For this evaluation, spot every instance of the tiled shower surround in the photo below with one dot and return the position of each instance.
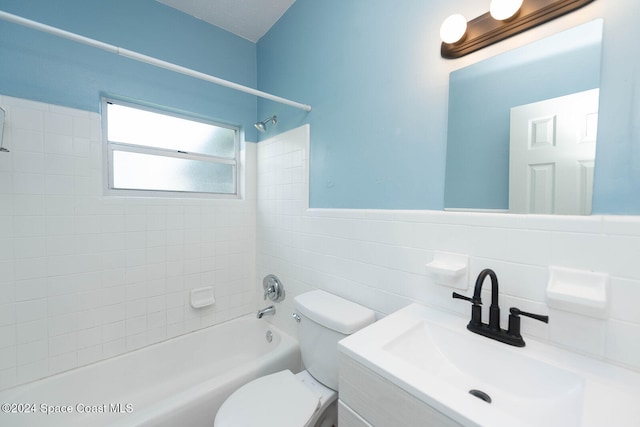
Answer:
(85, 277)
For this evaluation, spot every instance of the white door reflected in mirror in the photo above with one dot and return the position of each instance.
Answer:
(552, 155)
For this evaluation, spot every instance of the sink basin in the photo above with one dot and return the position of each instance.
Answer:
(476, 381)
(513, 383)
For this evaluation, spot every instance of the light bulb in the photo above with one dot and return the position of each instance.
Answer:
(504, 9)
(453, 28)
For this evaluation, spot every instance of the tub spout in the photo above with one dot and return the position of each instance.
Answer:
(271, 310)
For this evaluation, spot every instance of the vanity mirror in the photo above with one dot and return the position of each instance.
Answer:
(485, 96)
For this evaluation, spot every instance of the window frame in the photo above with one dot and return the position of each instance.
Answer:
(108, 147)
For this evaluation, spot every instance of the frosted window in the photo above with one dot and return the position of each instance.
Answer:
(135, 171)
(134, 126)
(156, 151)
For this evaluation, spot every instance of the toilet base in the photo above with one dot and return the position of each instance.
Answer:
(328, 418)
(327, 414)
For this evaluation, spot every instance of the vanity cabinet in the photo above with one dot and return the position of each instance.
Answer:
(367, 399)
(347, 417)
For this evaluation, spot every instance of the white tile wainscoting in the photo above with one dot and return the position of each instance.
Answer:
(377, 257)
(85, 277)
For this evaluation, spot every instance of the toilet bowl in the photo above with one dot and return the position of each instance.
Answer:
(280, 400)
(306, 399)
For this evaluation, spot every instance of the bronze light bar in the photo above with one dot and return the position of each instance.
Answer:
(484, 30)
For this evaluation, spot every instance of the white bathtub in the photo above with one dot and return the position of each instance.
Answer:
(179, 382)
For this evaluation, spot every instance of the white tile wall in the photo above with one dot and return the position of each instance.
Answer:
(85, 277)
(377, 258)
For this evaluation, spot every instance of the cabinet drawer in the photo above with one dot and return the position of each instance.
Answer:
(382, 403)
(348, 418)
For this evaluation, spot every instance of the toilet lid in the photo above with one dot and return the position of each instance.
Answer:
(276, 400)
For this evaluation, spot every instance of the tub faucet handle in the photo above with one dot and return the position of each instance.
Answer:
(273, 288)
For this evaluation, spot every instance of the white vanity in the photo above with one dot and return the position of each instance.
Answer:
(421, 366)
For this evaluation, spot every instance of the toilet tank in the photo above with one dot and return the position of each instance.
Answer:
(325, 319)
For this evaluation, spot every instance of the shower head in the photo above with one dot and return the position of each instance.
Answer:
(262, 126)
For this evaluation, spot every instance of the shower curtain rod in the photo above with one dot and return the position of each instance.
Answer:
(146, 59)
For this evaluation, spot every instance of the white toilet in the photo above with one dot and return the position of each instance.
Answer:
(307, 399)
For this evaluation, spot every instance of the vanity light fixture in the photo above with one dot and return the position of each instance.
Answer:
(453, 28)
(504, 9)
(505, 19)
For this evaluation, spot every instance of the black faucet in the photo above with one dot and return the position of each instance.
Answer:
(492, 330)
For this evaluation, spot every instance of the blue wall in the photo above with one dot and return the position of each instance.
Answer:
(46, 68)
(357, 63)
(371, 70)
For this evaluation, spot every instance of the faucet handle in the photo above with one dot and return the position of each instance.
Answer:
(476, 309)
(514, 323)
(458, 296)
(471, 300)
(273, 288)
(517, 312)
(269, 290)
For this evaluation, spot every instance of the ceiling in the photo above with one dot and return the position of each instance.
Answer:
(249, 19)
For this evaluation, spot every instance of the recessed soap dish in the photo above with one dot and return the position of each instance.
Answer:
(578, 291)
(202, 297)
(450, 269)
